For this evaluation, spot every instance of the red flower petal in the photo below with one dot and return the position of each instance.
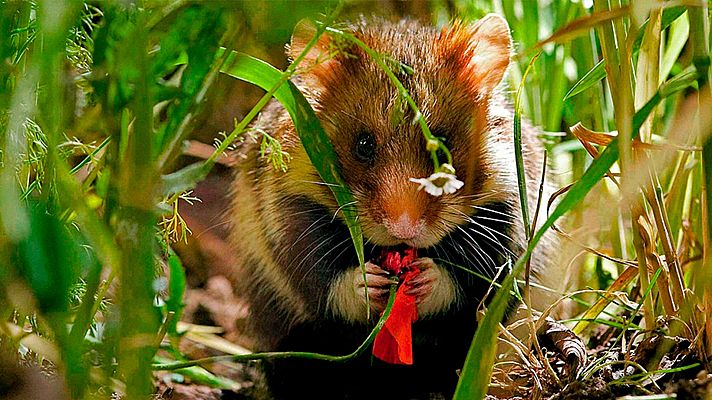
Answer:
(394, 343)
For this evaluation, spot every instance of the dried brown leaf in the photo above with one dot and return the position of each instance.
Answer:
(566, 342)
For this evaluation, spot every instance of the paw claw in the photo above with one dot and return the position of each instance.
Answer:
(378, 282)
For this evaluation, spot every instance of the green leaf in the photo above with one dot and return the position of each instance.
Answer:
(204, 377)
(195, 34)
(176, 290)
(184, 179)
(518, 155)
(670, 15)
(257, 72)
(592, 77)
(679, 82)
(677, 37)
(50, 259)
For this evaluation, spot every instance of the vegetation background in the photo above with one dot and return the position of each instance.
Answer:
(105, 112)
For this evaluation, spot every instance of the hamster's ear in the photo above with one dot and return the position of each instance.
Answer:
(481, 51)
(303, 33)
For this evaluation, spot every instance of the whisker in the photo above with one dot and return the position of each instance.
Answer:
(307, 230)
(349, 204)
(210, 228)
(304, 259)
(316, 263)
(492, 210)
(321, 183)
(487, 230)
(476, 247)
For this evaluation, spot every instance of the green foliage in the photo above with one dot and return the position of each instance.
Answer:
(99, 73)
(476, 373)
(97, 101)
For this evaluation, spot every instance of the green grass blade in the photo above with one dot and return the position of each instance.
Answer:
(184, 179)
(519, 158)
(670, 15)
(202, 376)
(257, 72)
(582, 26)
(203, 27)
(678, 34)
(176, 290)
(477, 371)
(591, 78)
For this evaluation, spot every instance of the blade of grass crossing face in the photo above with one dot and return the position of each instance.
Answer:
(257, 72)
(252, 70)
(308, 126)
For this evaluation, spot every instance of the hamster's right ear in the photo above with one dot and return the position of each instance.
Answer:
(482, 51)
(318, 55)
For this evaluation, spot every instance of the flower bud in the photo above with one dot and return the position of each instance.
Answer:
(447, 168)
(432, 145)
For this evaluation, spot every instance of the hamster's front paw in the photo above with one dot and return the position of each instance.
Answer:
(378, 286)
(433, 288)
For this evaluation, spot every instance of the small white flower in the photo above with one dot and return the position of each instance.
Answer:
(440, 182)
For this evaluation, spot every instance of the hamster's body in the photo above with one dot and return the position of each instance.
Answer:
(297, 266)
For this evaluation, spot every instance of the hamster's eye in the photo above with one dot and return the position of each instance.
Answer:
(365, 147)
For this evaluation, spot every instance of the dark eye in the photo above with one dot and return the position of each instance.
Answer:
(365, 147)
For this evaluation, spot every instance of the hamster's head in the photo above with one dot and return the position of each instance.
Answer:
(454, 74)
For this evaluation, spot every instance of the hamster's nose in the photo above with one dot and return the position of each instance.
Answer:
(404, 226)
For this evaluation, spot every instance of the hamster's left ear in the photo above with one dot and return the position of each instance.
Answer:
(481, 50)
(303, 33)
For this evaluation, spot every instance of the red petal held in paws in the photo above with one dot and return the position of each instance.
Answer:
(394, 262)
(394, 343)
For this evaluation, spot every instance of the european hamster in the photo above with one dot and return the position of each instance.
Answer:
(297, 266)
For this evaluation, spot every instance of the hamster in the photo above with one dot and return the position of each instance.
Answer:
(296, 262)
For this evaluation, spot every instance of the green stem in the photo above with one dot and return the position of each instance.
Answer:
(402, 91)
(134, 224)
(699, 39)
(292, 354)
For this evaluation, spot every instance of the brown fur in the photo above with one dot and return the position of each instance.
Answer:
(299, 288)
